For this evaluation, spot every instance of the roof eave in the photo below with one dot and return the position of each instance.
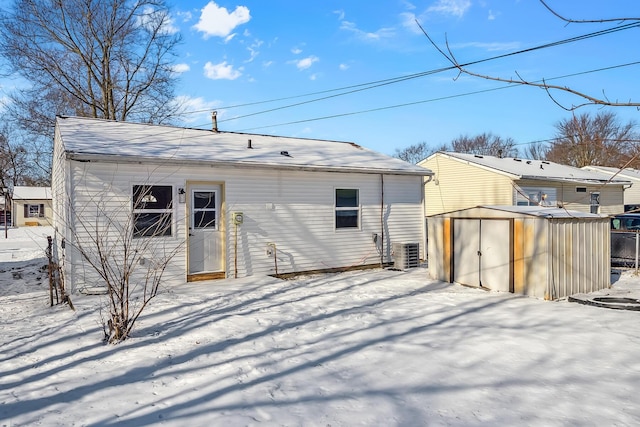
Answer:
(110, 158)
(575, 180)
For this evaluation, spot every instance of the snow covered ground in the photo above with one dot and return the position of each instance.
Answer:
(374, 348)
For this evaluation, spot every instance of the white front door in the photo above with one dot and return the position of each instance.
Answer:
(205, 230)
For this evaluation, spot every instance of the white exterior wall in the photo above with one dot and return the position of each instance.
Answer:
(292, 209)
(59, 194)
(632, 194)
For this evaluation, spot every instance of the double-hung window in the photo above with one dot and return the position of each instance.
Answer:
(347, 208)
(152, 210)
(34, 211)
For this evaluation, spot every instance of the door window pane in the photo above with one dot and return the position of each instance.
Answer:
(204, 210)
(204, 219)
(204, 199)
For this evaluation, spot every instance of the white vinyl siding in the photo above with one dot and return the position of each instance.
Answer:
(295, 210)
(632, 193)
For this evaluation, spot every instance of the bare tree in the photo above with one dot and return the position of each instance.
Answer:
(106, 59)
(486, 144)
(536, 151)
(584, 140)
(16, 162)
(125, 251)
(585, 99)
(414, 153)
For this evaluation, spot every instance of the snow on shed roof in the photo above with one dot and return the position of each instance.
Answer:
(515, 211)
(86, 138)
(31, 193)
(537, 169)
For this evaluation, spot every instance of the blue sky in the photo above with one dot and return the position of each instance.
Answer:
(239, 52)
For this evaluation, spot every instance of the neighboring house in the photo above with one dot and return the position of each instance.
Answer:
(463, 181)
(31, 206)
(227, 204)
(631, 194)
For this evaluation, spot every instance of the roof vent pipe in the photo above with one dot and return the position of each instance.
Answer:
(249, 144)
(214, 121)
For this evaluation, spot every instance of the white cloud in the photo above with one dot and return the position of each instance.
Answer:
(181, 68)
(296, 51)
(340, 14)
(253, 50)
(408, 5)
(303, 64)
(220, 71)
(492, 15)
(151, 17)
(195, 110)
(408, 20)
(217, 21)
(377, 35)
(343, 67)
(455, 8)
(186, 16)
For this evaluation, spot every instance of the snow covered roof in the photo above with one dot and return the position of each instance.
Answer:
(31, 193)
(519, 168)
(626, 173)
(545, 211)
(515, 211)
(86, 138)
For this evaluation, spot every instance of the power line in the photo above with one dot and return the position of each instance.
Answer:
(511, 85)
(379, 83)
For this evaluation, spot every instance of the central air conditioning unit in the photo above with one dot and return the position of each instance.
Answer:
(405, 255)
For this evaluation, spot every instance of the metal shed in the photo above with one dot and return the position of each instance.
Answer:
(537, 251)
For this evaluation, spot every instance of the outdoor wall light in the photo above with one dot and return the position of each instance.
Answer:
(182, 195)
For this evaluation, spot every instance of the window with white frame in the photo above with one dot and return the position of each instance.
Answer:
(594, 202)
(347, 208)
(152, 210)
(536, 196)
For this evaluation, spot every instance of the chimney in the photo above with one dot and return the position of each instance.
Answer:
(249, 144)
(214, 121)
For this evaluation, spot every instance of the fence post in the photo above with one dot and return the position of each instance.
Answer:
(50, 256)
(637, 249)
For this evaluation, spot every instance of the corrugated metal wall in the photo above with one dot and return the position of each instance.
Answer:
(581, 255)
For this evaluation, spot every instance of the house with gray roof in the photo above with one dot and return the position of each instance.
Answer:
(462, 181)
(225, 204)
(632, 193)
(31, 206)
